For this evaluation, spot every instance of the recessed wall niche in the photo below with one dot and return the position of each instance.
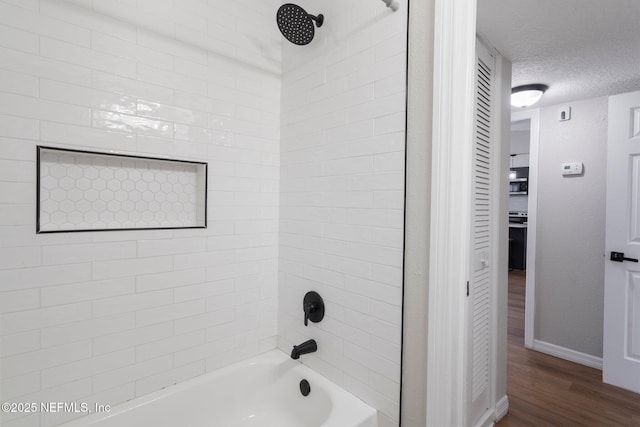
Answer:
(92, 191)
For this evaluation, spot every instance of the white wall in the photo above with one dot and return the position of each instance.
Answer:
(109, 316)
(501, 279)
(342, 196)
(571, 228)
(417, 212)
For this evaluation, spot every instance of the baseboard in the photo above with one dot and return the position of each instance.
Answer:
(567, 354)
(502, 407)
(486, 420)
(490, 418)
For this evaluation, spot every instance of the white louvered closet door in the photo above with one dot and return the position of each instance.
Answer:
(480, 295)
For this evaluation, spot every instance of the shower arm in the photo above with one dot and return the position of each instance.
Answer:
(392, 4)
(319, 20)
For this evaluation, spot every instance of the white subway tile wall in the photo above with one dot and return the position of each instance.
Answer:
(105, 317)
(305, 147)
(342, 196)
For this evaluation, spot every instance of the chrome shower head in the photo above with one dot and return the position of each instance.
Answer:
(296, 25)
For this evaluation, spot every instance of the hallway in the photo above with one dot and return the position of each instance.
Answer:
(546, 391)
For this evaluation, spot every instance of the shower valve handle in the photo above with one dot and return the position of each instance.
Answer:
(308, 309)
(313, 307)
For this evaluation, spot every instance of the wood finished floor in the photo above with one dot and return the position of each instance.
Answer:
(547, 391)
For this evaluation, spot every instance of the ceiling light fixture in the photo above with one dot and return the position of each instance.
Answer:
(527, 95)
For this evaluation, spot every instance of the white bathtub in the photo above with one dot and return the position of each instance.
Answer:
(263, 391)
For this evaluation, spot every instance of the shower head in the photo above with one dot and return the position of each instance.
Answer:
(296, 25)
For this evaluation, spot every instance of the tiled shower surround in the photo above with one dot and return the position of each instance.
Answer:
(108, 316)
(342, 195)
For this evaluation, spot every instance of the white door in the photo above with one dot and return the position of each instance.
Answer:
(479, 288)
(621, 352)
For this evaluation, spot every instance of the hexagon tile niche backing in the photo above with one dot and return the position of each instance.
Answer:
(90, 191)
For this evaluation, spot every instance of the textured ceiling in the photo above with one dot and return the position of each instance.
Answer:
(579, 48)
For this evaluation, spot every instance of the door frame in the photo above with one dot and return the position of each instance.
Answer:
(533, 116)
(448, 188)
(452, 148)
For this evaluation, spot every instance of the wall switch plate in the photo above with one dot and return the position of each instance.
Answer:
(564, 113)
(572, 168)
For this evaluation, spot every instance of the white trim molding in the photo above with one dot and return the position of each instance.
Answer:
(453, 94)
(487, 419)
(502, 408)
(567, 354)
(530, 281)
